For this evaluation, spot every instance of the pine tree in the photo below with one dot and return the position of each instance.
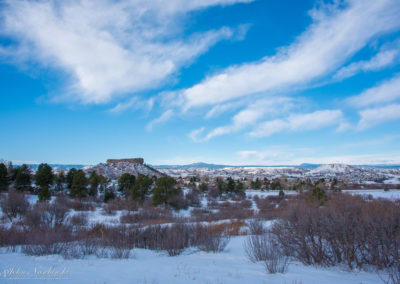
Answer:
(141, 188)
(126, 182)
(44, 193)
(4, 182)
(70, 177)
(22, 178)
(79, 185)
(165, 189)
(44, 176)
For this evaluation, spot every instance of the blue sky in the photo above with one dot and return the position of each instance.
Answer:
(220, 81)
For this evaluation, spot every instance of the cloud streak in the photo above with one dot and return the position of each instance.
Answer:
(374, 116)
(107, 48)
(335, 36)
(297, 122)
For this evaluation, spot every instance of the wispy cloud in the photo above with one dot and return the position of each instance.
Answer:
(384, 58)
(374, 116)
(297, 122)
(335, 36)
(167, 115)
(107, 48)
(252, 113)
(384, 92)
(133, 103)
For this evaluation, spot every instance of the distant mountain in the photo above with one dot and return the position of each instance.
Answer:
(192, 166)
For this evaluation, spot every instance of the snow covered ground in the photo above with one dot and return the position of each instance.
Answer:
(231, 266)
(377, 193)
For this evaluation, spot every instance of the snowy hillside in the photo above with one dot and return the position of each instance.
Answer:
(332, 169)
(115, 170)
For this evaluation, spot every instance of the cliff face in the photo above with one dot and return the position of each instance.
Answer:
(133, 161)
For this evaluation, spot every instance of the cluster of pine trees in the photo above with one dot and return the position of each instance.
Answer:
(76, 183)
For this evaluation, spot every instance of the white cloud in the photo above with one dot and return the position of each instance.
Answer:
(167, 115)
(373, 116)
(385, 92)
(297, 122)
(287, 156)
(195, 134)
(252, 113)
(335, 36)
(383, 59)
(107, 48)
(133, 103)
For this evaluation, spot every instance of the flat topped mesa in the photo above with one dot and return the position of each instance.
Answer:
(133, 161)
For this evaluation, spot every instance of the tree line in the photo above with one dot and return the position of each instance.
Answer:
(78, 184)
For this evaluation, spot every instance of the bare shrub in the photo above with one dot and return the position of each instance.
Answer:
(394, 274)
(175, 238)
(211, 239)
(347, 229)
(148, 216)
(266, 249)
(79, 219)
(44, 242)
(256, 227)
(193, 198)
(80, 205)
(14, 204)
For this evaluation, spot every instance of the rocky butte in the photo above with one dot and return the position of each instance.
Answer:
(133, 161)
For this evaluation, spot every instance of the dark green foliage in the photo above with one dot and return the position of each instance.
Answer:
(203, 187)
(44, 176)
(164, 190)
(141, 188)
(256, 184)
(94, 181)
(276, 185)
(103, 181)
(319, 195)
(109, 195)
(79, 185)
(398, 186)
(231, 186)
(221, 185)
(44, 193)
(4, 182)
(60, 179)
(22, 178)
(126, 182)
(70, 177)
(239, 186)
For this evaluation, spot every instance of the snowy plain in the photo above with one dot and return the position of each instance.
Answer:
(193, 266)
(149, 267)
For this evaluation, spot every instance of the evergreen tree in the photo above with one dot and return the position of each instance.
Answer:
(79, 184)
(203, 187)
(94, 181)
(231, 186)
(4, 182)
(240, 188)
(22, 178)
(44, 176)
(221, 185)
(165, 189)
(256, 184)
(109, 195)
(141, 188)
(44, 193)
(126, 182)
(70, 177)
(60, 180)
